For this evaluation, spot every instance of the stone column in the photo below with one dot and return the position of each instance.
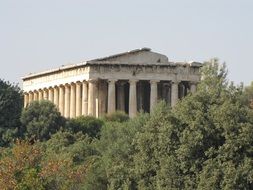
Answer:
(26, 99)
(56, 96)
(132, 99)
(40, 94)
(66, 101)
(30, 97)
(35, 96)
(111, 96)
(121, 96)
(153, 94)
(174, 93)
(73, 100)
(78, 99)
(193, 87)
(45, 94)
(61, 99)
(85, 98)
(92, 95)
(51, 94)
(102, 97)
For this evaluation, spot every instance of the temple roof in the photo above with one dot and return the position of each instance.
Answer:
(122, 54)
(143, 56)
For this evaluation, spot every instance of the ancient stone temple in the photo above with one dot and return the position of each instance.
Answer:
(130, 82)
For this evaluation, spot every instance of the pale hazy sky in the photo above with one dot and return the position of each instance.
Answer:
(39, 35)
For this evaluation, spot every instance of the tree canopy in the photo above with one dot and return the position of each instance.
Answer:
(11, 103)
(41, 119)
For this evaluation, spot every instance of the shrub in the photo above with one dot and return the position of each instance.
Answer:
(85, 124)
(118, 116)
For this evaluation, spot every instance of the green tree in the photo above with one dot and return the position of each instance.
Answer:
(204, 142)
(247, 97)
(115, 164)
(11, 103)
(41, 119)
(67, 159)
(154, 149)
(88, 125)
(213, 145)
(118, 116)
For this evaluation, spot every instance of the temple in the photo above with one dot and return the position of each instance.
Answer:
(130, 82)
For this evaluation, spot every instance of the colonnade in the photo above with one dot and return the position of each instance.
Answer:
(81, 98)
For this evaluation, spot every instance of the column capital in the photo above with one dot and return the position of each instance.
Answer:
(78, 82)
(133, 81)
(154, 81)
(112, 80)
(92, 80)
(175, 81)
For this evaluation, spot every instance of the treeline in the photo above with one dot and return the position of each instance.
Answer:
(204, 142)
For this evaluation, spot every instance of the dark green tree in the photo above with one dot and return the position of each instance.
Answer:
(41, 119)
(88, 125)
(114, 165)
(11, 102)
(204, 142)
(213, 145)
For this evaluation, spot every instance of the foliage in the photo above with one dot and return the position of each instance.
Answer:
(41, 119)
(67, 159)
(117, 116)
(116, 149)
(247, 96)
(11, 103)
(85, 124)
(18, 167)
(212, 148)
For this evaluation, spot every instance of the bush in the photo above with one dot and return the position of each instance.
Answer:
(118, 116)
(85, 124)
(41, 119)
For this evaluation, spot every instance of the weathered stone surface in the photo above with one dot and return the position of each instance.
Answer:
(90, 88)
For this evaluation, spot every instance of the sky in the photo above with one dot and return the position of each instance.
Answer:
(40, 35)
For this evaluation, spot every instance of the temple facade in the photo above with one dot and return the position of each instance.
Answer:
(129, 82)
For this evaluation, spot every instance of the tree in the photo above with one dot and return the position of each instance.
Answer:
(67, 159)
(213, 145)
(114, 166)
(204, 142)
(247, 97)
(41, 119)
(11, 103)
(88, 125)
(118, 116)
(20, 167)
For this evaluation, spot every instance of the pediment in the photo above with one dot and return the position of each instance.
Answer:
(144, 55)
